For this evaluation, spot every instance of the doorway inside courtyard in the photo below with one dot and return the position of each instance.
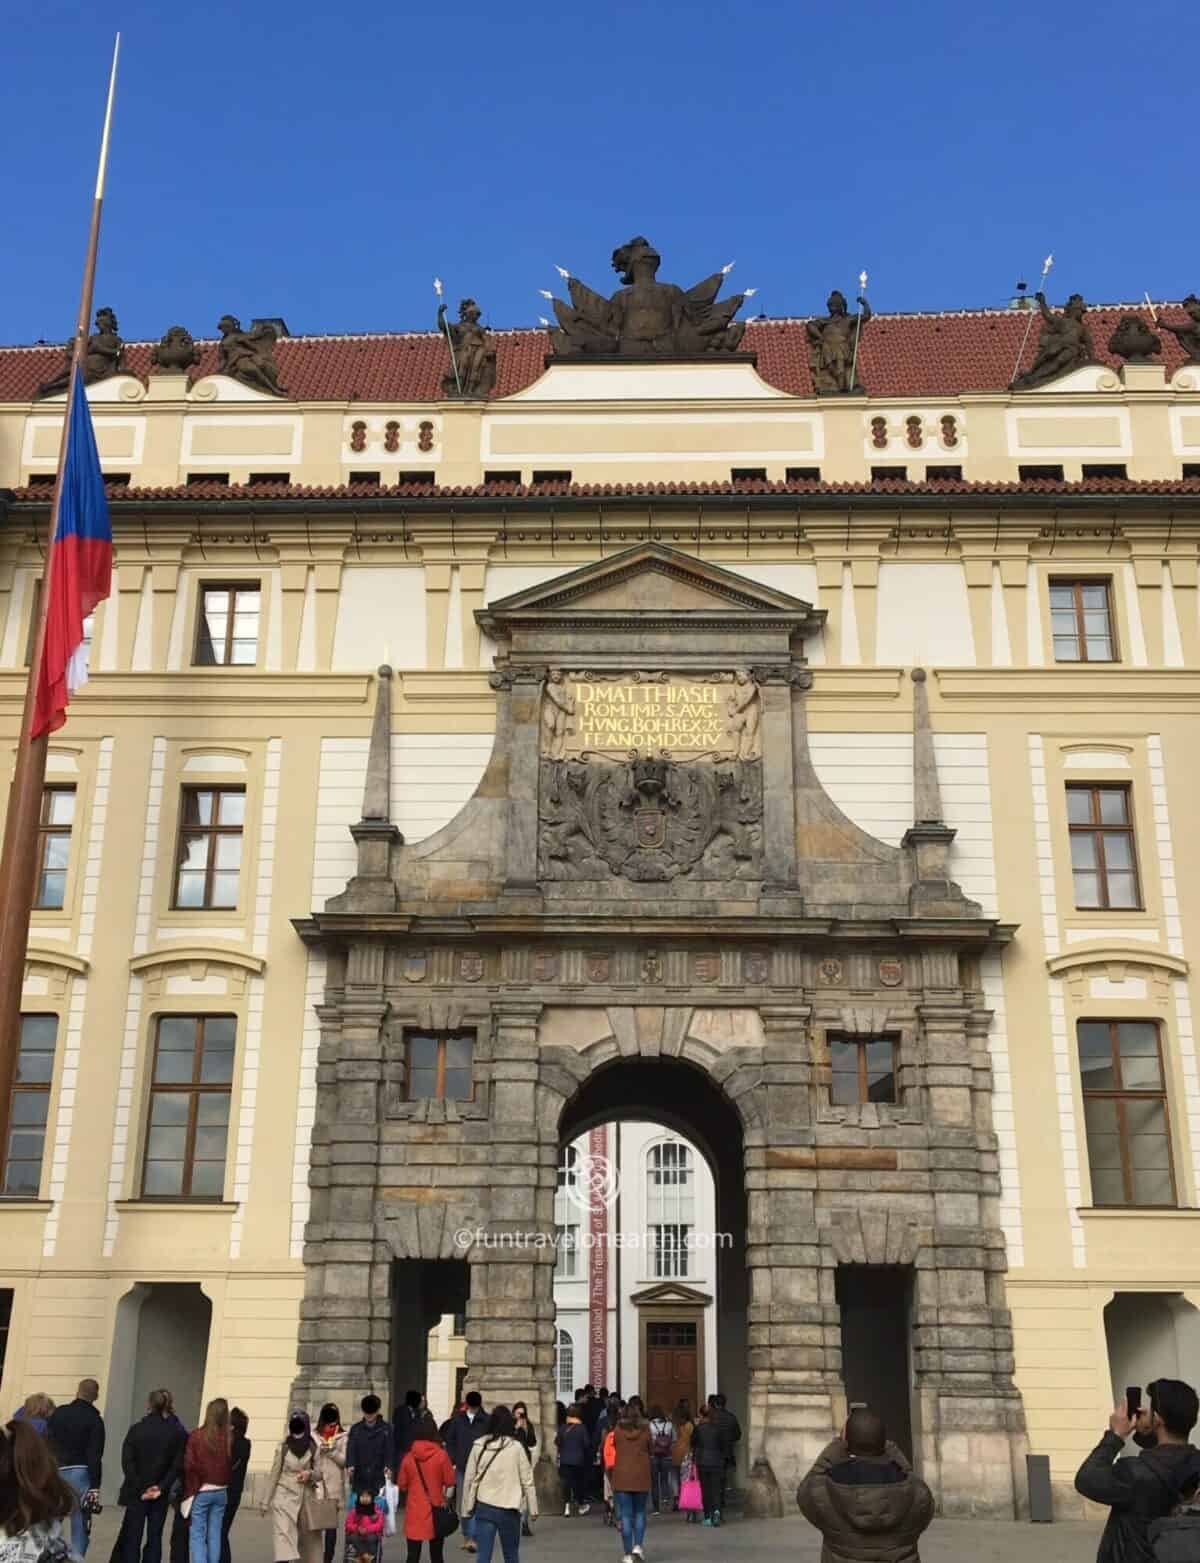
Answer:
(876, 1305)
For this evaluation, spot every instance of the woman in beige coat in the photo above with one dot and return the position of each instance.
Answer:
(498, 1480)
(332, 1439)
(295, 1474)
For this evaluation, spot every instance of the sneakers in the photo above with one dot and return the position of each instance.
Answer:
(628, 1558)
(567, 1512)
(584, 1508)
(706, 1522)
(639, 1554)
(716, 1516)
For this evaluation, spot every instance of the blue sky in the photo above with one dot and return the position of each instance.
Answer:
(322, 162)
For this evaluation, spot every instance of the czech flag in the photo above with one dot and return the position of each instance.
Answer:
(79, 570)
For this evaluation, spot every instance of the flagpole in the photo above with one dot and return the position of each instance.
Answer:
(19, 858)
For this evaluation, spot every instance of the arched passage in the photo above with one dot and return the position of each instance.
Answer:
(684, 1098)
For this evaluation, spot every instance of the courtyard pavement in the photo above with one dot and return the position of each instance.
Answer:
(670, 1540)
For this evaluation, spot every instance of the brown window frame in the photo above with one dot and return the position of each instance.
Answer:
(29, 1088)
(45, 831)
(442, 1038)
(213, 832)
(193, 1088)
(1123, 1094)
(860, 1043)
(233, 588)
(1096, 828)
(1077, 583)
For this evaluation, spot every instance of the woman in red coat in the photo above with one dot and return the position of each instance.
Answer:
(425, 1473)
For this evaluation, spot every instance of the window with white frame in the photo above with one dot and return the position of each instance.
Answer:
(566, 1251)
(564, 1364)
(670, 1206)
(566, 1215)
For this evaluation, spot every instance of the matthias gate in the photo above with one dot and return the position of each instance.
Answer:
(651, 905)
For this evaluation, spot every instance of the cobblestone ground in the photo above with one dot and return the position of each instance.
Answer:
(669, 1540)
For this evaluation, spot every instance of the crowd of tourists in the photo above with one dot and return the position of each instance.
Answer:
(332, 1486)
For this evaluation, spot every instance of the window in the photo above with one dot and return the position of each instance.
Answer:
(189, 1107)
(210, 847)
(439, 1067)
(369, 478)
(1104, 469)
(671, 1243)
(568, 1168)
(670, 1165)
(1191, 469)
(116, 479)
(673, 1335)
(421, 479)
(943, 474)
(459, 1325)
(35, 613)
(30, 1106)
(551, 477)
(48, 479)
(193, 478)
(1081, 620)
(1125, 1112)
(803, 474)
(1044, 472)
(566, 1252)
(748, 474)
(54, 847)
(889, 474)
(564, 1365)
(501, 477)
(862, 1069)
(6, 1305)
(1103, 859)
(257, 478)
(227, 625)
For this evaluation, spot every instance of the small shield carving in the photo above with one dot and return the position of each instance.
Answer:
(597, 967)
(756, 968)
(706, 966)
(651, 826)
(416, 964)
(891, 972)
(470, 967)
(831, 971)
(545, 966)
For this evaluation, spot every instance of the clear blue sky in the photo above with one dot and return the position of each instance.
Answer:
(323, 161)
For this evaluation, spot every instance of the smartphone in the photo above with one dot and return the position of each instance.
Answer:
(1133, 1401)
(861, 1405)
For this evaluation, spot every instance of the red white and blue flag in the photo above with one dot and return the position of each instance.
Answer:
(79, 571)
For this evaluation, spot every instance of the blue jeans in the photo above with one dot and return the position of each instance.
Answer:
(491, 1522)
(631, 1516)
(208, 1510)
(467, 1520)
(78, 1480)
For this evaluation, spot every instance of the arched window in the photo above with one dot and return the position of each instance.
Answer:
(670, 1206)
(564, 1364)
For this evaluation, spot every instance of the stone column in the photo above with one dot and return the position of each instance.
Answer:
(524, 732)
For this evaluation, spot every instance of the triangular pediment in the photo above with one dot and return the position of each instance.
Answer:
(648, 579)
(670, 1292)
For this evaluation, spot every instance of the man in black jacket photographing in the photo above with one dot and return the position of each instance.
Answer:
(1142, 1490)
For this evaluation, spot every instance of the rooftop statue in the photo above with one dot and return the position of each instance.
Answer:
(833, 345)
(1187, 334)
(646, 318)
(248, 356)
(177, 349)
(474, 357)
(1065, 344)
(103, 356)
(1134, 341)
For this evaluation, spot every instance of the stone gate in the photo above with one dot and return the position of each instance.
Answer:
(651, 905)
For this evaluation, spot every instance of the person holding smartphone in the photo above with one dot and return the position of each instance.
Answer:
(1165, 1474)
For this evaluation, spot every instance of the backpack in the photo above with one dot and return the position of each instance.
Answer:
(1175, 1538)
(664, 1439)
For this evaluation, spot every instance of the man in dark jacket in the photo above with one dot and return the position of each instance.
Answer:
(76, 1434)
(406, 1421)
(467, 1427)
(863, 1497)
(370, 1459)
(1141, 1490)
(732, 1429)
(151, 1462)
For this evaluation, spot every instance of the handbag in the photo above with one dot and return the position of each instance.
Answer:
(321, 1513)
(445, 1520)
(690, 1495)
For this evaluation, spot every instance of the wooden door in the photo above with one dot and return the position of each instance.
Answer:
(672, 1363)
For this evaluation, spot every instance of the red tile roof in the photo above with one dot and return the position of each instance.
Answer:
(259, 495)
(900, 356)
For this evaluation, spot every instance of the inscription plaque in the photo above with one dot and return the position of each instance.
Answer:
(611, 716)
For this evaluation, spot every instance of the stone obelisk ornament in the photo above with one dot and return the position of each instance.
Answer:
(103, 356)
(646, 318)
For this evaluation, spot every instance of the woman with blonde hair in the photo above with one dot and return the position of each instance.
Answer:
(37, 1411)
(206, 1471)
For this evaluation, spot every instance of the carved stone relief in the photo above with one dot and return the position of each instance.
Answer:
(708, 716)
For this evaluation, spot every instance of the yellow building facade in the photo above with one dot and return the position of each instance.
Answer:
(1035, 552)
